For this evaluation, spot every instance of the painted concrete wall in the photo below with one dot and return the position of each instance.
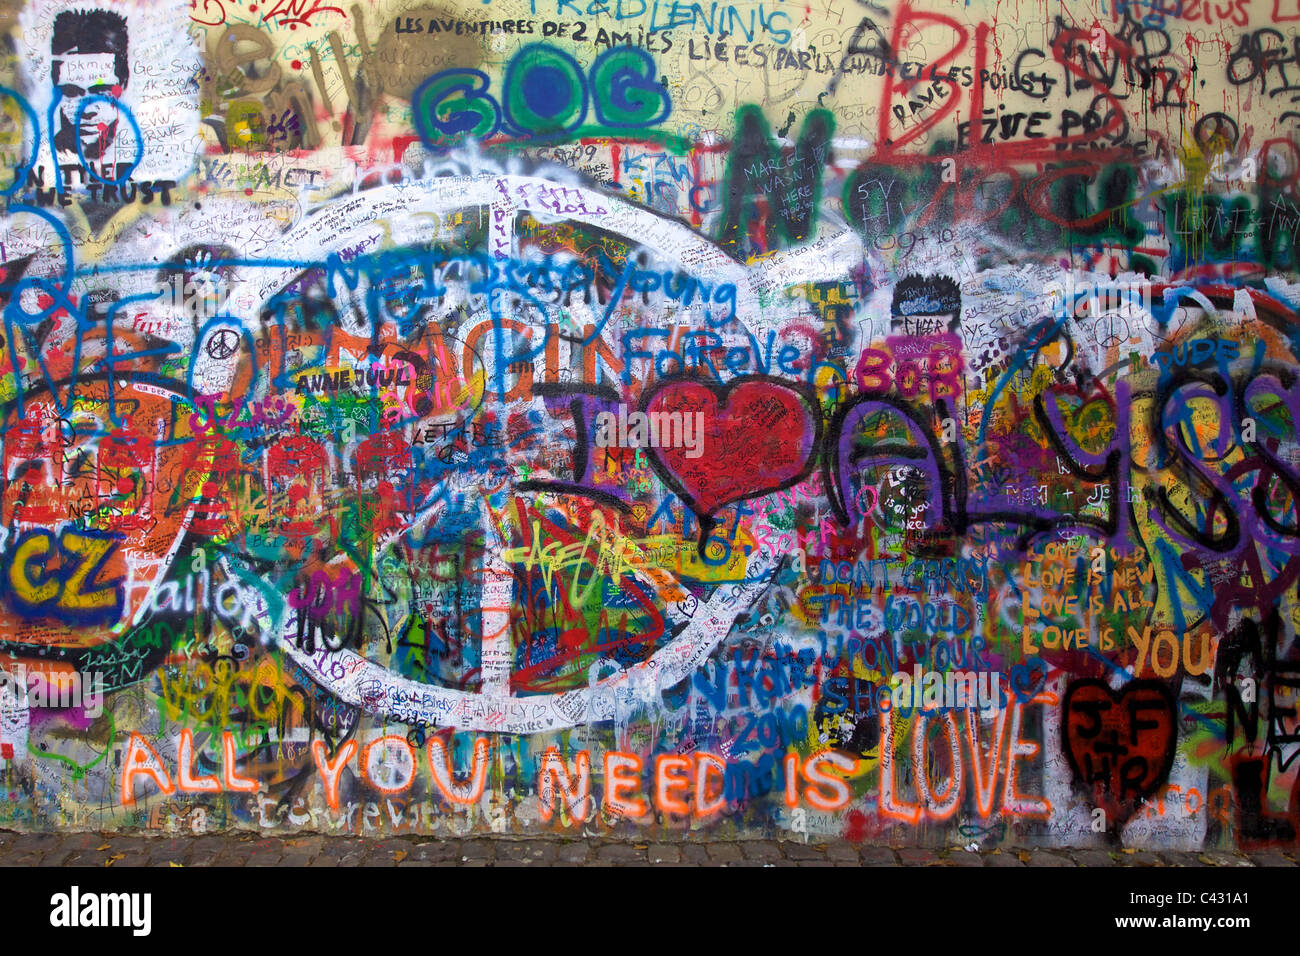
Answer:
(649, 417)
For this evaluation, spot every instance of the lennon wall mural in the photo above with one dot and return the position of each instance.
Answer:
(650, 418)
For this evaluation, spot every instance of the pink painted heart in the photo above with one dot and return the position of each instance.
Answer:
(755, 435)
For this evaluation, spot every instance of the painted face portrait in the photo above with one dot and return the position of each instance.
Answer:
(89, 64)
(94, 122)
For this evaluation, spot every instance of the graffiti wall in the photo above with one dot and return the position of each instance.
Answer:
(855, 420)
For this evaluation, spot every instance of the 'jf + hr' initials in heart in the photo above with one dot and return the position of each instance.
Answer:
(1121, 745)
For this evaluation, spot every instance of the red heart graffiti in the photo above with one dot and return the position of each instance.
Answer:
(758, 436)
(1120, 745)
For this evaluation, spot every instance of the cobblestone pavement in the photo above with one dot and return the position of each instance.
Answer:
(101, 850)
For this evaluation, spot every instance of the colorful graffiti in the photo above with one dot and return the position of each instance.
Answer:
(872, 422)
